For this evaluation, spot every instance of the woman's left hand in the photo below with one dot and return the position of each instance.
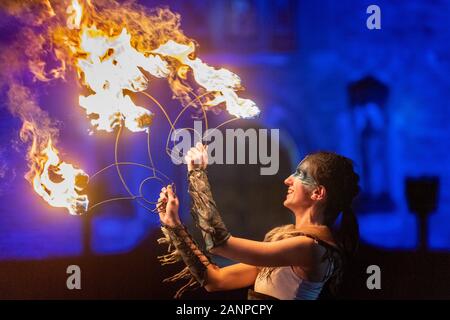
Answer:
(197, 157)
(168, 206)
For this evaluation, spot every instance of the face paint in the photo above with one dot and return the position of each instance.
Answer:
(304, 177)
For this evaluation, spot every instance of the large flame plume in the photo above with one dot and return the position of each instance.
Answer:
(113, 48)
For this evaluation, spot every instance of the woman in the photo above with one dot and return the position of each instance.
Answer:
(294, 261)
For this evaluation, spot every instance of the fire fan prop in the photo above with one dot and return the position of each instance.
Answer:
(109, 45)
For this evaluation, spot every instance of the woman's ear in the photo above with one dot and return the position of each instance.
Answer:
(319, 193)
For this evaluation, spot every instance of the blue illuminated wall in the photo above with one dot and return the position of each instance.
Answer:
(409, 54)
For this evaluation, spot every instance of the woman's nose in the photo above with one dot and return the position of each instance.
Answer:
(288, 181)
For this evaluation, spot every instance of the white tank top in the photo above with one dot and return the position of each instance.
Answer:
(285, 284)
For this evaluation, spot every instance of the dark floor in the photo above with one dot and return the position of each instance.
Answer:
(137, 275)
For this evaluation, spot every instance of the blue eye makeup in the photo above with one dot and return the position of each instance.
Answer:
(304, 177)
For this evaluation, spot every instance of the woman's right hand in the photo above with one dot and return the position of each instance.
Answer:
(197, 157)
(168, 206)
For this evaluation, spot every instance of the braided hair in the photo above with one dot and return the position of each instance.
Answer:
(336, 173)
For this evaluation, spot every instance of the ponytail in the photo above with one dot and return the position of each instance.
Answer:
(347, 237)
(348, 233)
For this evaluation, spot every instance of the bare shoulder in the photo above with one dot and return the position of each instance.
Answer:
(310, 264)
(310, 249)
(315, 247)
(308, 243)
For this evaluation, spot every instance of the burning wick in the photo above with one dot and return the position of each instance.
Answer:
(60, 184)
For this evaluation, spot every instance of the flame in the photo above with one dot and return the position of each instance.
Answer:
(108, 64)
(57, 182)
(111, 67)
(75, 11)
(222, 82)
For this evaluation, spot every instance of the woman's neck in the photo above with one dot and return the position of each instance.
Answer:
(308, 217)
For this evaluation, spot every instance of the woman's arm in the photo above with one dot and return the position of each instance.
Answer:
(198, 265)
(295, 251)
(236, 276)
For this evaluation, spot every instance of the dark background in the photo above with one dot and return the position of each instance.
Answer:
(306, 64)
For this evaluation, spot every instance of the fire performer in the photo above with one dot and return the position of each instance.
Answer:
(294, 261)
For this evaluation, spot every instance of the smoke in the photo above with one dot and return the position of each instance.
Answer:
(37, 128)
